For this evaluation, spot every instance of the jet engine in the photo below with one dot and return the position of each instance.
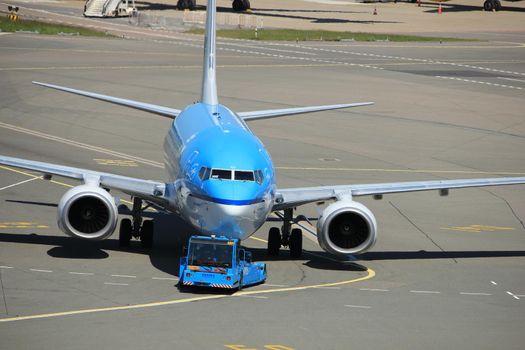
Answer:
(88, 212)
(346, 227)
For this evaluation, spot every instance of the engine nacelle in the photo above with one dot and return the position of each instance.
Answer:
(88, 212)
(346, 227)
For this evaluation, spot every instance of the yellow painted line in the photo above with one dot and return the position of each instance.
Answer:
(21, 224)
(116, 162)
(258, 239)
(370, 274)
(400, 170)
(478, 228)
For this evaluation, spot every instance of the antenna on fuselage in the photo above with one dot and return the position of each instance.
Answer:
(209, 83)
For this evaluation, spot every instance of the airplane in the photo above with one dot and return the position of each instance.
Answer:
(237, 5)
(221, 179)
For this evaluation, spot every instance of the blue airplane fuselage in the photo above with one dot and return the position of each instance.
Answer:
(222, 176)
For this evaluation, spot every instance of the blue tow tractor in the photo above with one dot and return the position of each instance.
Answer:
(219, 262)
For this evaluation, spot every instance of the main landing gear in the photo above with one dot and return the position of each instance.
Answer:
(137, 228)
(241, 5)
(490, 5)
(286, 237)
(186, 5)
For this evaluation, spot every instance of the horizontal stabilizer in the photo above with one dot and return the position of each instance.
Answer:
(274, 113)
(164, 111)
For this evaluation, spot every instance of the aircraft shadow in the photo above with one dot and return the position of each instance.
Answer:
(451, 7)
(318, 19)
(424, 255)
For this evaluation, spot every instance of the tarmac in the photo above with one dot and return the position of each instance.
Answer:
(447, 272)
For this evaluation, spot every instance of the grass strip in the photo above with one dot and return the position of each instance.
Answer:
(22, 25)
(319, 35)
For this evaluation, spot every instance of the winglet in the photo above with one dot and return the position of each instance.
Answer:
(209, 83)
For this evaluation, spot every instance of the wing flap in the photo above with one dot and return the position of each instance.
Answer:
(148, 107)
(274, 113)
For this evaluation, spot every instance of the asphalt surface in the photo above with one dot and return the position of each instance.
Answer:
(445, 273)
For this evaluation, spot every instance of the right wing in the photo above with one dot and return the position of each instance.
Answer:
(148, 107)
(146, 189)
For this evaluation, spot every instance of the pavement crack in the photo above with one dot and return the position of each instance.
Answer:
(419, 229)
(3, 294)
(510, 207)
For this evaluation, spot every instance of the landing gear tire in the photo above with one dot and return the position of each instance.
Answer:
(146, 234)
(124, 233)
(241, 5)
(497, 5)
(488, 5)
(296, 243)
(274, 241)
(186, 5)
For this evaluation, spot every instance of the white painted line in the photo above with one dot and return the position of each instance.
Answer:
(124, 276)
(115, 284)
(425, 291)
(358, 306)
(467, 293)
(5, 267)
(38, 270)
(252, 296)
(20, 183)
(494, 283)
(327, 287)
(81, 273)
(276, 285)
(513, 295)
(512, 79)
(374, 290)
(164, 278)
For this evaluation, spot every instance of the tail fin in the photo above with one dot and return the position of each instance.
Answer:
(209, 82)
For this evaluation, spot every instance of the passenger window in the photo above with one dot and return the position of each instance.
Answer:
(221, 174)
(244, 175)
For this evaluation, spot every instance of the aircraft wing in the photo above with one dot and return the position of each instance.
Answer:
(274, 113)
(145, 189)
(148, 107)
(292, 197)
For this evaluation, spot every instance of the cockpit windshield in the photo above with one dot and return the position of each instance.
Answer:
(206, 173)
(205, 253)
(221, 174)
(244, 175)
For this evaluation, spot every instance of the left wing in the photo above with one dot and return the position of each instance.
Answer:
(291, 197)
(145, 189)
(274, 113)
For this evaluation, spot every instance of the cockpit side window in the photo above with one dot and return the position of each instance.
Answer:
(221, 174)
(204, 173)
(259, 177)
(241, 175)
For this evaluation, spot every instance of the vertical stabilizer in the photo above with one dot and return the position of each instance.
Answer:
(209, 83)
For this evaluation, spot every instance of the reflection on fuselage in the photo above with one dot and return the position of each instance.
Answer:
(222, 175)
